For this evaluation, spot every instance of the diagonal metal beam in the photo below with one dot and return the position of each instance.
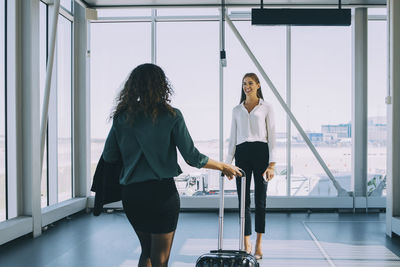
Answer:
(341, 191)
(49, 71)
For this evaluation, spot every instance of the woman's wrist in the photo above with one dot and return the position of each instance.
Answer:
(271, 165)
(223, 166)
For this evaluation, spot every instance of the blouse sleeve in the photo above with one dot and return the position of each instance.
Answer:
(185, 144)
(232, 141)
(270, 124)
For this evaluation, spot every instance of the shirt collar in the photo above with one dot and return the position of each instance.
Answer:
(260, 102)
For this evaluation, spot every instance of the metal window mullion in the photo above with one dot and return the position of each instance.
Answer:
(153, 36)
(28, 111)
(360, 102)
(393, 112)
(81, 105)
(166, 19)
(5, 109)
(289, 104)
(73, 176)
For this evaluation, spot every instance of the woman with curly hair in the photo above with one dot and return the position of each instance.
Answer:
(144, 136)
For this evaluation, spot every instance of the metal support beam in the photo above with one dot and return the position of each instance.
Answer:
(49, 71)
(340, 190)
(81, 105)
(393, 115)
(29, 112)
(52, 118)
(360, 102)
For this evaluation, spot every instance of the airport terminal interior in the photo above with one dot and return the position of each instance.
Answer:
(331, 78)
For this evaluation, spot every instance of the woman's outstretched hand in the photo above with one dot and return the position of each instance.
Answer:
(231, 171)
(269, 172)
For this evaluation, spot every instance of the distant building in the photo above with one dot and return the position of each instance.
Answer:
(377, 130)
(315, 137)
(338, 130)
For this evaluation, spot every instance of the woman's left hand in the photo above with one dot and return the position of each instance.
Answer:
(269, 173)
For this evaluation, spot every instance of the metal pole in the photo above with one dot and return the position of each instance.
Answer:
(50, 61)
(289, 103)
(221, 213)
(153, 36)
(242, 205)
(340, 190)
(221, 129)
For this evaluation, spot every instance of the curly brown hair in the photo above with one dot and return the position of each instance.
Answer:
(147, 91)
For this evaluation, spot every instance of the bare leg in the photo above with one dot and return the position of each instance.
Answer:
(247, 244)
(145, 243)
(258, 244)
(161, 245)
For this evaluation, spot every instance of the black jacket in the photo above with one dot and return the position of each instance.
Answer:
(106, 184)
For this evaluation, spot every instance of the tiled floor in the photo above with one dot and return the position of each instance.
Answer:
(292, 239)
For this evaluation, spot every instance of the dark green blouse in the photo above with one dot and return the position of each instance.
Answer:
(147, 148)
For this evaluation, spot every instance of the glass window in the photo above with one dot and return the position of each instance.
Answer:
(125, 12)
(2, 114)
(116, 48)
(192, 68)
(321, 102)
(268, 44)
(187, 12)
(43, 63)
(377, 11)
(64, 109)
(377, 91)
(67, 4)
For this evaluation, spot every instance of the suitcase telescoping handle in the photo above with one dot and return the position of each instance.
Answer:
(221, 211)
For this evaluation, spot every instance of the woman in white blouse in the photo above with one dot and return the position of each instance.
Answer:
(252, 144)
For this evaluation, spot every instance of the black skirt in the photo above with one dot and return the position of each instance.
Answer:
(152, 206)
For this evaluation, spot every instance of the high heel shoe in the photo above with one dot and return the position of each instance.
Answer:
(258, 256)
(248, 251)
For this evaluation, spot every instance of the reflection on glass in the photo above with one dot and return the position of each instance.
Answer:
(64, 111)
(42, 73)
(192, 68)
(377, 123)
(321, 95)
(116, 48)
(2, 115)
(268, 45)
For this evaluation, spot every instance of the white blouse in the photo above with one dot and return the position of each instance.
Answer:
(258, 125)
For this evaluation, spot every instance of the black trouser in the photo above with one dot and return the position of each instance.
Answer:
(253, 158)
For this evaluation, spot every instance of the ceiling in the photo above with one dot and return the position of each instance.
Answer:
(285, 3)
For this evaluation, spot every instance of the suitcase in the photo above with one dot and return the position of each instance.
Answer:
(229, 258)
